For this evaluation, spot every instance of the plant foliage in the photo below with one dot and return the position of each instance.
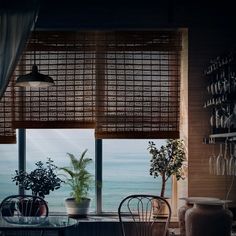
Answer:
(167, 161)
(78, 177)
(41, 180)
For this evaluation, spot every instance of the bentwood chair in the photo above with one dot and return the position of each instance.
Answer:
(144, 215)
(24, 210)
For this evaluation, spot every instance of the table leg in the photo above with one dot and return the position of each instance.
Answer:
(42, 232)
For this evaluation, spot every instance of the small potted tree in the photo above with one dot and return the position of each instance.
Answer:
(40, 181)
(167, 161)
(79, 179)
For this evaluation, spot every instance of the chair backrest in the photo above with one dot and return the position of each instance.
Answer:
(24, 209)
(144, 215)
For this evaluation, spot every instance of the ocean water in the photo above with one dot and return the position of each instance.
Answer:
(125, 165)
(113, 192)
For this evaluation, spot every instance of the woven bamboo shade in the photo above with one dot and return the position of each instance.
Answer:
(7, 133)
(139, 82)
(68, 104)
(123, 84)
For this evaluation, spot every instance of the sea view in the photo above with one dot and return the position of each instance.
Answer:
(125, 165)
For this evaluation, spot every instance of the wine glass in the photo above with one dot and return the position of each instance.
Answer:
(220, 162)
(232, 162)
(226, 157)
(212, 162)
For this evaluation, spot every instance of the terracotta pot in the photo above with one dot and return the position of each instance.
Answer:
(208, 220)
(160, 210)
(31, 208)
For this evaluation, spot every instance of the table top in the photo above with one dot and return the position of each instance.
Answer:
(51, 222)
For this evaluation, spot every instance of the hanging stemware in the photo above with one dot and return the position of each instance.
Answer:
(226, 157)
(220, 162)
(229, 168)
(212, 160)
(232, 162)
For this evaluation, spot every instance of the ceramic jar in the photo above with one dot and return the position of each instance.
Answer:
(181, 217)
(189, 201)
(208, 219)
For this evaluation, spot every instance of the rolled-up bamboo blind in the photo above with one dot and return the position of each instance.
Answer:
(7, 132)
(123, 84)
(139, 93)
(66, 57)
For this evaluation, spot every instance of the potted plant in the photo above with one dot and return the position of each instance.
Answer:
(167, 161)
(79, 179)
(40, 181)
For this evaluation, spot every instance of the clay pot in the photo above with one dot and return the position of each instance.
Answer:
(189, 202)
(160, 209)
(181, 216)
(208, 220)
(28, 207)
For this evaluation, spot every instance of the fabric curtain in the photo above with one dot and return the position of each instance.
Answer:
(15, 28)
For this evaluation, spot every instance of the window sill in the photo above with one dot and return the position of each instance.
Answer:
(110, 217)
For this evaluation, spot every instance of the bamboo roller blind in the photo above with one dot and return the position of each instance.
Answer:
(66, 57)
(138, 90)
(122, 84)
(7, 132)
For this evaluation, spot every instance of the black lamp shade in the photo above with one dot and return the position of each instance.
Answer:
(34, 79)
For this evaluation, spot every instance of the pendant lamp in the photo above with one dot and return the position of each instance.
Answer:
(34, 79)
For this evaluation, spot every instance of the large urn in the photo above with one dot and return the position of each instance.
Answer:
(189, 202)
(208, 218)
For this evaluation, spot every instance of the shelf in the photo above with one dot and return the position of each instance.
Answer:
(221, 88)
(223, 135)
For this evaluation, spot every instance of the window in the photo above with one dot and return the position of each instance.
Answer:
(125, 165)
(126, 171)
(56, 143)
(8, 165)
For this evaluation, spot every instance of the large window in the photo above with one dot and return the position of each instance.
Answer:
(125, 166)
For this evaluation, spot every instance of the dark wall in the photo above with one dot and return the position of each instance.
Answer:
(121, 14)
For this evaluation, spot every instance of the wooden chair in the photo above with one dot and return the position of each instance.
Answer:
(144, 215)
(24, 209)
